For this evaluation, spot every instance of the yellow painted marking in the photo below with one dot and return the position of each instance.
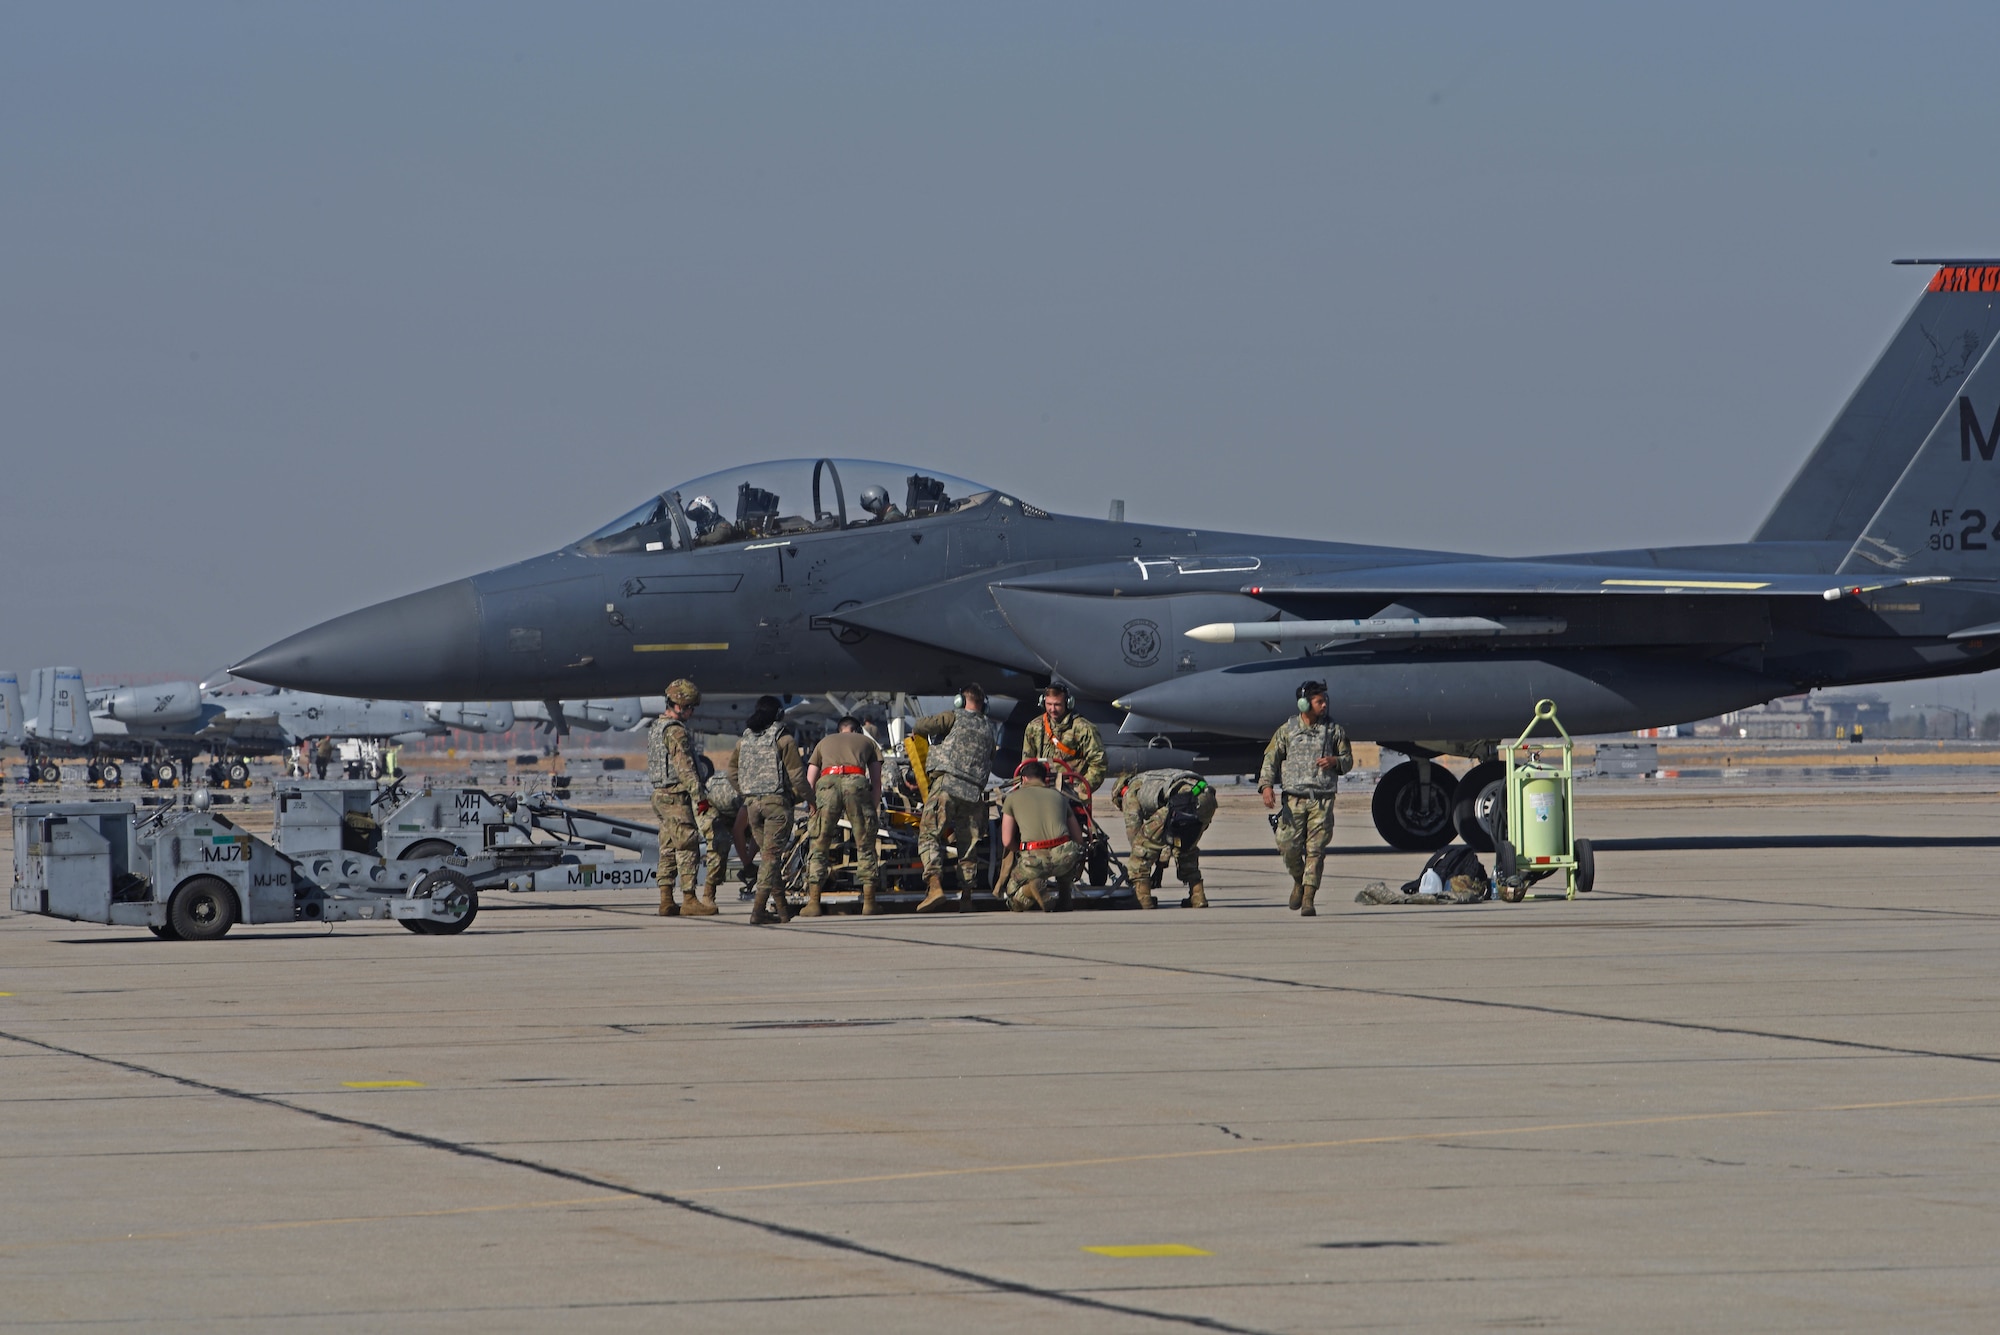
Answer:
(1689, 583)
(677, 648)
(1150, 1249)
(383, 1084)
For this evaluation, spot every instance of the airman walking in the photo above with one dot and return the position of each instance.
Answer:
(677, 791)
(1305, 759)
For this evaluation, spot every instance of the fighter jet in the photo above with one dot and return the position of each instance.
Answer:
(1878, 563)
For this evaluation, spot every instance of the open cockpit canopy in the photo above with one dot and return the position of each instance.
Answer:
(781, 498)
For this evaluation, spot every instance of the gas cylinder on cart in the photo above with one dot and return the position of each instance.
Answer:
(1544, 821)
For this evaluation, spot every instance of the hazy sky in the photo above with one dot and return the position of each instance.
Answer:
(304, 306)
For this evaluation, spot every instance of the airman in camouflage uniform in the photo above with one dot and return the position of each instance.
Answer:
(1306, 757)
(768, 772)
(1145, 798)
(1039, 828)
(670, 767)
(957, 769)
(846, 777)
(718, 830)
(1066, 742)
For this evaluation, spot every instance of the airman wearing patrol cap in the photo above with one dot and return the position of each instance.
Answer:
(677, 793)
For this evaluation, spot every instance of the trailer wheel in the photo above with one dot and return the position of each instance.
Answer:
(1097, 860)
(165, 931)
(454, 889)
(428, 848)
(203, 909)
(1586, 866)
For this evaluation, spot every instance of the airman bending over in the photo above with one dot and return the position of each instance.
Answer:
(1306, 757)
(718, 829)
(845, 774)
(767, 770)
(670, 766)
(1166, 809)
(958, 767)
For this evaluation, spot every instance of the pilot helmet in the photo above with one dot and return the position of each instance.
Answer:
(684, 693)
(874, 499)
(701, 507)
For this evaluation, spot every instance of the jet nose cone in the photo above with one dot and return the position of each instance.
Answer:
(423, 645)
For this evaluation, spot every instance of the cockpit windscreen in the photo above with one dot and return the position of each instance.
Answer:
(783, 498)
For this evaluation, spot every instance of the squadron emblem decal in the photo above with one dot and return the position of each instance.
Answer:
(1142, 642)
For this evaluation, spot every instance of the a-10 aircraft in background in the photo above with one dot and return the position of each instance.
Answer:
(1878, 563)
(166, 726)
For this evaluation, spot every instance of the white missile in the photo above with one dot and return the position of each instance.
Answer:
(1399, 628)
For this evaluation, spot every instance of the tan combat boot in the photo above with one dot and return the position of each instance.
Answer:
(867, 900)
(667, 909)
(1298, 894)
(933, 892)
(1144, 894)
(1195, 898)
(760, 914)
(1306, 893)
(812, 908)
(702, 906)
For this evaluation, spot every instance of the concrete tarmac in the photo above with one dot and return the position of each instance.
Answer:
(1753, 1082)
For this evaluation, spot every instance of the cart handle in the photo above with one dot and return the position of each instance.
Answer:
(1545, 711)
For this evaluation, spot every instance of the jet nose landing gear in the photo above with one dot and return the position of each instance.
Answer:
(1413, 806)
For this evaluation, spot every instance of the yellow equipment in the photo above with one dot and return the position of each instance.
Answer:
(1540, 800)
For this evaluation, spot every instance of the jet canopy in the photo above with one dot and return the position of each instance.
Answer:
(782, 498)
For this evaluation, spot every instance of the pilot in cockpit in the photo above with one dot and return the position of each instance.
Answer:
(710, 528)
(875, 500)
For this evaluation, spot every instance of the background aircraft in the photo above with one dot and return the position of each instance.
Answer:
(1878, 563)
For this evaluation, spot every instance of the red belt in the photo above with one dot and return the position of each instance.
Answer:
(844, 769)
(1034, 844)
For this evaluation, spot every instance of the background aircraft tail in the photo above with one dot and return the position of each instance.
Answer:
(61, 712)
(12, 733)
(1849, 474)
(1943, 515)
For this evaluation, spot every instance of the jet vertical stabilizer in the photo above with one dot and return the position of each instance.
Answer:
(1918, 376)
(12, 729)
(1943, 515)
(61, 712)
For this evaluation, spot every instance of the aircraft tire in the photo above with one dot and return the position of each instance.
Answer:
(202, 909)
(237, 772)
(455, 887)
(1403, 817)
(112, 774)
(1484, 786)
(51, 772)
(167, 771)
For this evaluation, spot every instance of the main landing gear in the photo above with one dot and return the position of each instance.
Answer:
(1413, 806)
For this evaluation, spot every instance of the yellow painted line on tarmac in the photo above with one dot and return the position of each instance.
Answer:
(1149, 1249)
(677, 648)
(1408, 1138)
(383, 1084)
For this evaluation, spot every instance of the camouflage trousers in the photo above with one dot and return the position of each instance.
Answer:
(1036, 865)
(770, 829)
(1304, 826)
(718, 827)
(852, 796)
(679, 837)
(1150, 844)
(966, 820)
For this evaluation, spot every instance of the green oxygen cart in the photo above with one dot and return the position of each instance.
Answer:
(1540, 805)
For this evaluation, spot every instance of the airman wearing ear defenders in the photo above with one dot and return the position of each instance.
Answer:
(1306, 757)
(1065, 741)
(960, 762)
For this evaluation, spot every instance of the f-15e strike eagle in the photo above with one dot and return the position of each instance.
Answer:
(1878, 563)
